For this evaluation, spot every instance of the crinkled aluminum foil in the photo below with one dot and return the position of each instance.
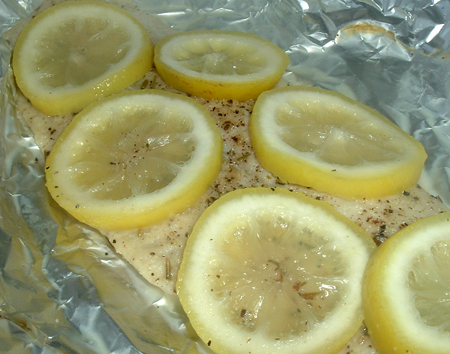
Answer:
(62, 287)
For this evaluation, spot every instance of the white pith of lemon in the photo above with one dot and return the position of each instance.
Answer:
(134, 159)
(271, 271)
(78, 51)
(406, 290)
(324, 140)
(220, 64)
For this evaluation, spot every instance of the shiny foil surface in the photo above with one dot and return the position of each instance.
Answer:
(63, 289)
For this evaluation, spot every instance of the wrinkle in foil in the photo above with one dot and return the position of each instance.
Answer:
(62, 287)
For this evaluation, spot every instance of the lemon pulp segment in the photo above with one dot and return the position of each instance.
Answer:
(270, 271)
(321, 139)
(77, 51)
(134, 158)
(406, 289)
(220, 64)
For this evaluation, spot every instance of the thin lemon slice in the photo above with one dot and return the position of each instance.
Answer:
(324, 140)
(78, 51)
(270, 271)
(406, 290)
(134, 158)
(220, 64)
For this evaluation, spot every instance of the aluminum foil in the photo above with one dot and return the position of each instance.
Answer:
(63, 289)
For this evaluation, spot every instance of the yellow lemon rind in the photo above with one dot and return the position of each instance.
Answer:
(243, 87)
(73, 99)
(143, 210)
(333, 336)
(392, 320)
(351, 183)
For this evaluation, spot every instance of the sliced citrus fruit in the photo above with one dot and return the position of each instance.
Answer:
(134, 158)
(406, 290)
(78, 51)
(272, 271)
(324, 140)
(220, 64)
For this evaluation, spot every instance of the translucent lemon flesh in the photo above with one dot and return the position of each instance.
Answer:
(149, 151)
(220, 64)
(270, 271)
(78, 51)
(333, 135)
(81, 46)
(406, 290)
(326, 141)
(134, 159)
(429, 281)
(217, 57)
(285, 275)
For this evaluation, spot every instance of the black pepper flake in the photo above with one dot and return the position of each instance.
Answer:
(227, 125)
(380, 237)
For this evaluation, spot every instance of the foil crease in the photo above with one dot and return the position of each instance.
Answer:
(62, 287)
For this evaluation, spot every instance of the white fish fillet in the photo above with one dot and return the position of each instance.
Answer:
(156, 251)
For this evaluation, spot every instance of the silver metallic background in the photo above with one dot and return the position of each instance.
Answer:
(62, 287)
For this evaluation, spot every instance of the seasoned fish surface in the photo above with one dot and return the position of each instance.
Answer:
(156, 251)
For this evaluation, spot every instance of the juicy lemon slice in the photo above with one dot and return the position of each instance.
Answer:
(271, 271)
(78, 51)
(324, 140)
(220, 64)
(407, 290)
(134, 158)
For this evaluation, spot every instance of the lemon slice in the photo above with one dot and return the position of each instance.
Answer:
(324, 140)
(78, 51)
(134, 159)
(272, 271)
(220, 64)
(407, 290)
